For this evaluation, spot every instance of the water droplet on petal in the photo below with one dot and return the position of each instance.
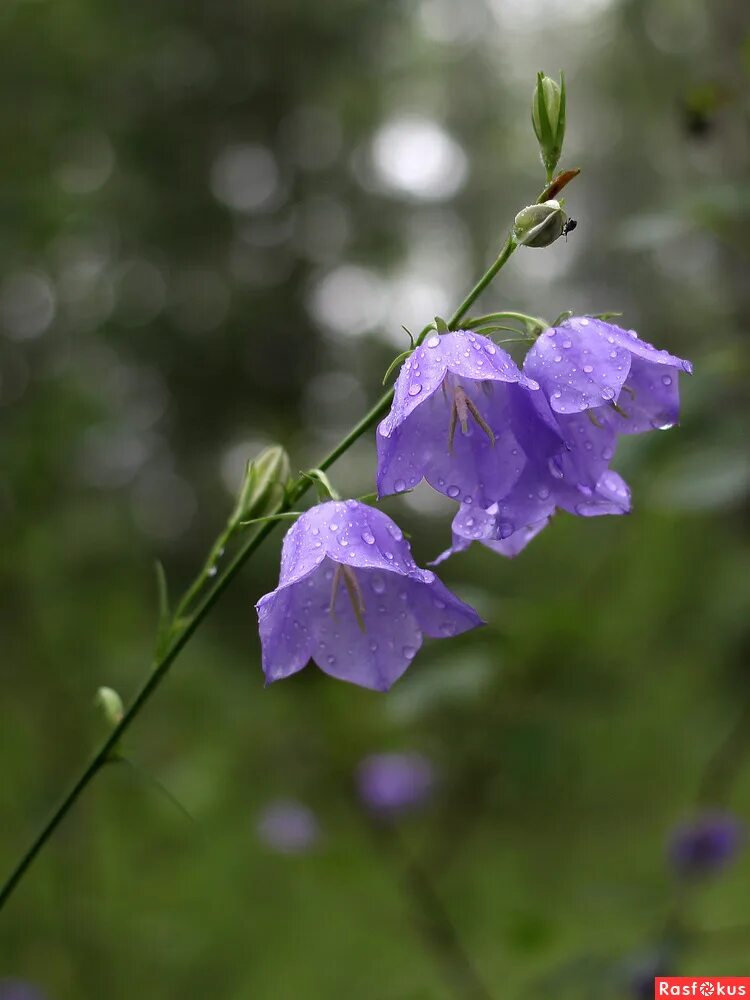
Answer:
(666, 379)
(433, 341)
(378, 584)
(409, 652)
(395, 532)
(330, 660)
(555, 468)
(399, 485)
(588, 369)
(453, 491)
(543, 492)
(415, 389)
(447, 628)
(663, 426)
(368, 537)
(490, 348)
(608, 392)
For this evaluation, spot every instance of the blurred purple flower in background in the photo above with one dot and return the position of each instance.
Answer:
(351, 597)
(706, 845)
(287, 826)
(19, 989)
(392, 784)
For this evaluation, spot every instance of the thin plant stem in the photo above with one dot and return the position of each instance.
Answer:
(183, 630)
(432, 921)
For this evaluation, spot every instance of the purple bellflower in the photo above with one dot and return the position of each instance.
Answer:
(450, 421)
(351, 597)
(566, 467)
(597, 381)
(288, 826)
(392, 784)
(623, 382)
(19, 989)
(706, 845)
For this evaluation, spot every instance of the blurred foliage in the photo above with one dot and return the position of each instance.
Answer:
(213, 220)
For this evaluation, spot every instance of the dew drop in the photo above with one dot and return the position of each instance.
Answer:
(378, 584)
(608, 392)
(447, 628)
(543, 492)
(409, 652)
(433, 341)
(415, 389)
(395, 532)
(368, 537)
(399, 485)
(666, 379)
(490, 348)
(554, 467)
(588, 369)
(453, 491)
(330, 660)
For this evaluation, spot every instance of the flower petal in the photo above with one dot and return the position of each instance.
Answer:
(579, 364)
(650, 400)
(439, 612)
(285, 638)
(376, 657)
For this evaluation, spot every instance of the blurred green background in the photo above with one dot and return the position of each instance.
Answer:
(214, 218)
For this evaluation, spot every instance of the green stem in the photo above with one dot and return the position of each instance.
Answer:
(185, 632)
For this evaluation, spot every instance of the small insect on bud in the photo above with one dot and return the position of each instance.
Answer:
(262, 491)
(548, 119)
(110, 703)
(540, 225)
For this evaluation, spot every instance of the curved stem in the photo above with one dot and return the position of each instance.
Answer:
(186, 630)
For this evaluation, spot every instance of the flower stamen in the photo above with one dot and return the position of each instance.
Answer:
(353, 590)
(463, 407)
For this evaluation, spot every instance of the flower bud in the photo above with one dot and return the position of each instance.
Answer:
(263, 487)
(548, 119)
(539, 225)
(110, 703)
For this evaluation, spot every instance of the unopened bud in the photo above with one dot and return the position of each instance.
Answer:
(548, 119)
(264, 485)
(540, 225)
(110, 703)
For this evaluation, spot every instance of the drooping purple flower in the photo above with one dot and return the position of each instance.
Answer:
(351, 597)
(288, 826)
(19, 989)
(450, 421)
(586, 364)
(706, 844)
(566, 468)
(391, 784)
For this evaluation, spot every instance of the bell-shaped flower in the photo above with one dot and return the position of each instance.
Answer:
(625, 383)
(450, 422)
(351, 598)
(567, 468)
